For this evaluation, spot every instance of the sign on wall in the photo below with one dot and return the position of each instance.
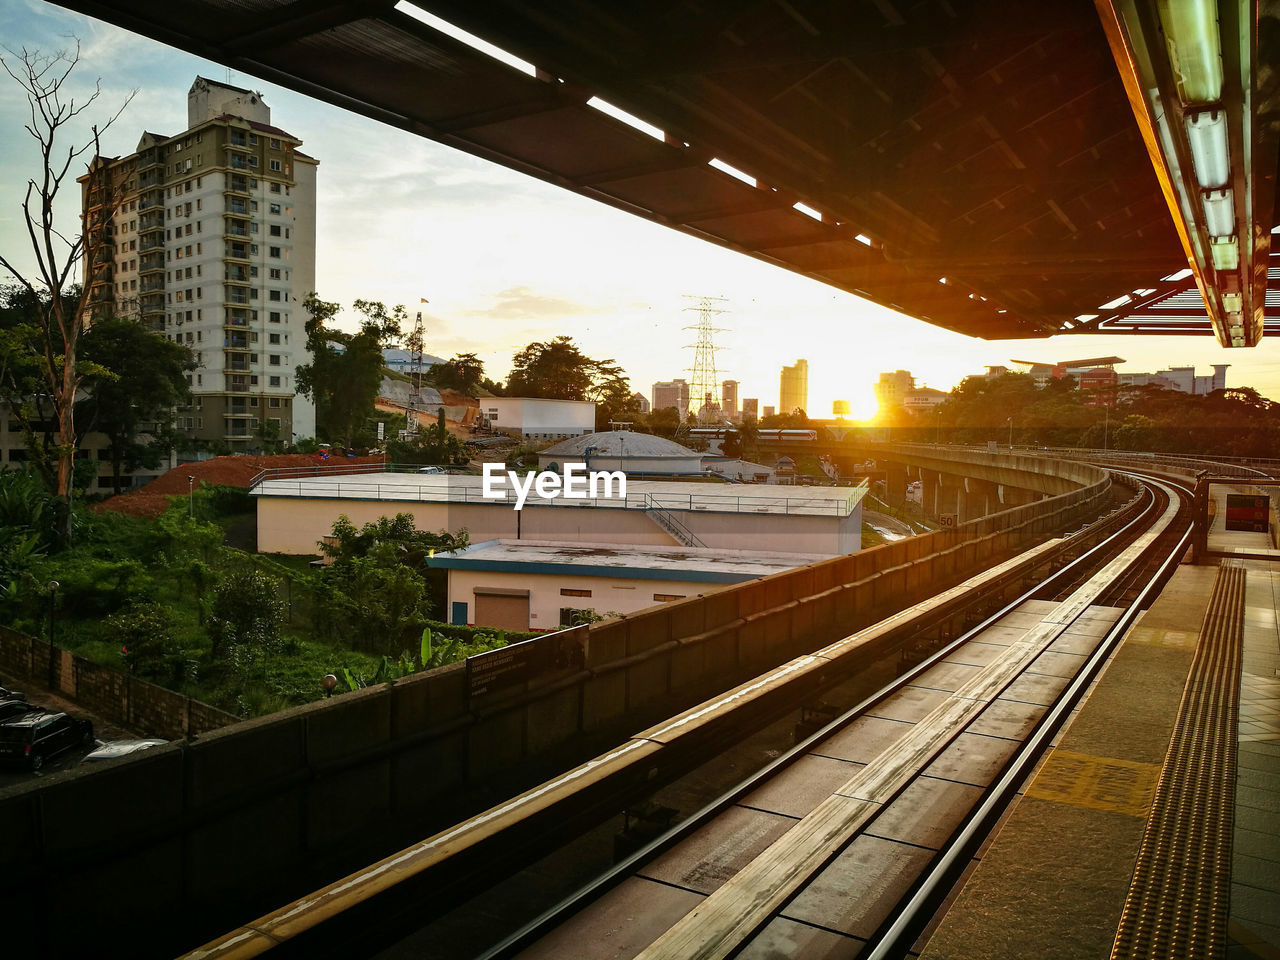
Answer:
(1248, 512)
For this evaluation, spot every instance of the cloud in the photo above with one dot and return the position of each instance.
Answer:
(522, 303)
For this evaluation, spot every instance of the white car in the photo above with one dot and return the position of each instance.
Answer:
(119, 748)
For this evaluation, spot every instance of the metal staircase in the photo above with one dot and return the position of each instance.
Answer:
(668, 522)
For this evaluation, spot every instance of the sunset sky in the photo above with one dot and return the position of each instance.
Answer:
(505, 259)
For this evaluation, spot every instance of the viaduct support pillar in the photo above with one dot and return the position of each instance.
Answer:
(978, 499)
(895, 484)
(950, 496)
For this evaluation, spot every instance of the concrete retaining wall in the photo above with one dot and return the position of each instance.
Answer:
(255, 814)
(149, 709)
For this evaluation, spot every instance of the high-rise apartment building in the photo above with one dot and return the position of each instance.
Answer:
(212, 244)
(751, 408)
(729, 399)
(672, 393)
(892, 388)
(642, 402)
(793, 389)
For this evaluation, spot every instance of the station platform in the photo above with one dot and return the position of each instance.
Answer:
(1152, 828)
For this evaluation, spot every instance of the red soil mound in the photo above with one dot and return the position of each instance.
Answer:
(153, 499)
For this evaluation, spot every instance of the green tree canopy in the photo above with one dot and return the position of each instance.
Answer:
(462, 372)
(140, 379)
(558, 370)
(345, 371)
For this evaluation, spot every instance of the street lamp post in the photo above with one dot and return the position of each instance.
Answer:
(191, 497)
(1010, 419)
(937, 436)
(1106, 425)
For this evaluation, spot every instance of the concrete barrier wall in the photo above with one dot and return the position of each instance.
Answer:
(112, 694)
(252, 815)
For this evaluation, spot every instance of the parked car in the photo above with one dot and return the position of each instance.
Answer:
(16, 708)
(32, 739)
(112, 749)
(6, 694)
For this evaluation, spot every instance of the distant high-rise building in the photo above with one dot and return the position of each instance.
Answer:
(793, 389)
(729, 399)
(892, 388)
(213, 245)
(750, 408)
(642, 402)
(1179, 378)
(672, 393)
(768, 412)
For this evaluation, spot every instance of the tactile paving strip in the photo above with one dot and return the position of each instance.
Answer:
(1179, 898)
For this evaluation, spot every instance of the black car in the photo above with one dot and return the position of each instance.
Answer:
(32, 739)
(16, 708)
(6, 694)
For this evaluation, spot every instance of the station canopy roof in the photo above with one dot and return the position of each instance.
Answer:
(977, 164)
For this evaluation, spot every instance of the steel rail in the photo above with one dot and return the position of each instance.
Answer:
(557, 914)
(899, 932)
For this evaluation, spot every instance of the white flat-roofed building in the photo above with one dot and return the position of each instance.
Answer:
(542, 584)
(632, 453)
(534, 418)
(295, 511)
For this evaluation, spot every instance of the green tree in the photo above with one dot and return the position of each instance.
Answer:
(140, 381)
(345, 371)
(147, 644)
(558, 370)
(245, 616)
(462, 372)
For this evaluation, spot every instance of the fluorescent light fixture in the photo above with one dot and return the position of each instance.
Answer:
(1195, 51)
(1237, 341)
(1231, 303)
(1087, 316)
(630, 119)
(1144, 291)
(864, 239)
(942, 279)
(1179, 275)
(1207, 132)
(1236, 329)
(1112, 304)
(470, 39)
(1226, 253)
(1220, 212)
(807, 210)
(734, 172)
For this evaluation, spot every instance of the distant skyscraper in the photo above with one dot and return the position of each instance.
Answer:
(793, 389)
(642, 402)
(750, 408)
(768, 411)
(729, 399)
(672, 393)
(892, 388)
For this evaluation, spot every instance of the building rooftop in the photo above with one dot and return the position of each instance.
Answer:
(344, 482)
(650, 563)
(619, 443)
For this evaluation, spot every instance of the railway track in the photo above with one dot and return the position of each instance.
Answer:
(849, 842)
(998, 639)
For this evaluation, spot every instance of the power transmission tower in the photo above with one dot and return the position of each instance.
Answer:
(704, 382)
(417, 340)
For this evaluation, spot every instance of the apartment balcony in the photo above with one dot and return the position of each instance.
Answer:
(152, 302)
(237, 162)
(237, 186)
(237, 295)
(154, 178)
(151, 222)
(236, 341)
(152, 243)
(150, 158)
(237, 206)
(151, 284)
(235, 229)
(237, 384)
(236, 274)
(236, 251)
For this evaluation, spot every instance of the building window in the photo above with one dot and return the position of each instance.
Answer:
(274, 401)
(567, 592)
(275, 165)
(274, 381)
(275, 316)
(275, 188)
(274, 338)
(275, 230)
(275, 208)
(667, 597)
(274, 359)
(274, 294)
(274, 251)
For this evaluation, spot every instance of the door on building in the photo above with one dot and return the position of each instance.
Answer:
(502, 608)
(458, 614)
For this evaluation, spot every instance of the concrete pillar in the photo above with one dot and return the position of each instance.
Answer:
(929, 484)
(950, 494)
(979, 499)
(1017, 497)
(895, 484)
